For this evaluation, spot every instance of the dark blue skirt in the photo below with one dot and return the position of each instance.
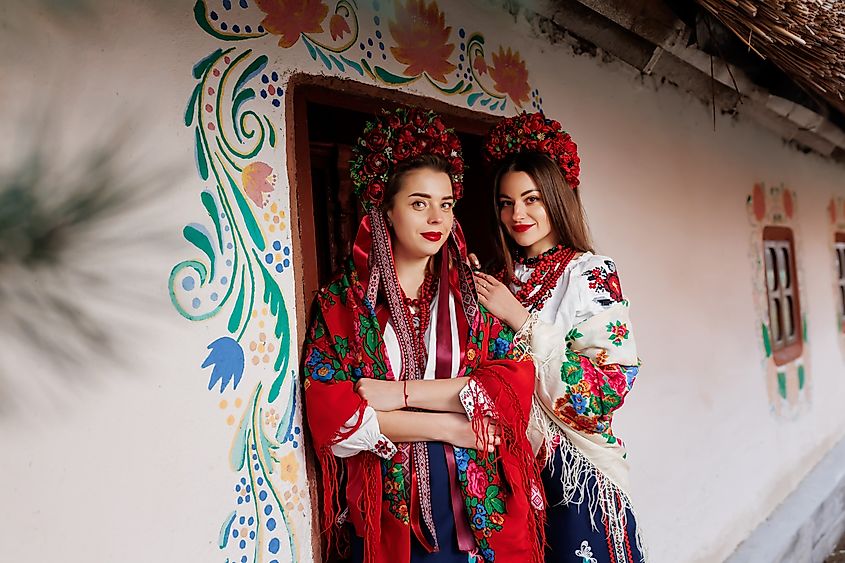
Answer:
(569, 532)
(444, 520)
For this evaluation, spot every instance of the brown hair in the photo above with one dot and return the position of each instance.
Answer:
(563, 204)
(394, 183)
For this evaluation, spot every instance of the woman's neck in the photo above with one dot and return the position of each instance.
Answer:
(540, 247)
(411, 273)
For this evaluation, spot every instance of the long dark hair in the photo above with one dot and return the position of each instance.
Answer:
(563, 205)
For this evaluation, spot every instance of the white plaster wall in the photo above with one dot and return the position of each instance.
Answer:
(132, 465)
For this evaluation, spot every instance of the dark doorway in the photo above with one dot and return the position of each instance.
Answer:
(328, 120)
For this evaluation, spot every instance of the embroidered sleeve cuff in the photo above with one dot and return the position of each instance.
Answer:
(471, 394)
(367, 437)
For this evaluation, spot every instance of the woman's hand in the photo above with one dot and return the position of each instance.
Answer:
(381, 395)
(460, 433)
(499, 300)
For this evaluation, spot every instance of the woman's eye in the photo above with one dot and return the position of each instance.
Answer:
(418, 205)
(448, 205)
(505, 203)
(532, 199)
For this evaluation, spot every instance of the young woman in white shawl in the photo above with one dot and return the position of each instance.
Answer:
(566, 304)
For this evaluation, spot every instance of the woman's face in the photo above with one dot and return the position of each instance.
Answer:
(523, 213)
(421, 213)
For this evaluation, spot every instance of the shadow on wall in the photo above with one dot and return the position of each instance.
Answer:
(72, 230)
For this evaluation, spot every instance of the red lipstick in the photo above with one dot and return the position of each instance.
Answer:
(433, 236)
(521, 228)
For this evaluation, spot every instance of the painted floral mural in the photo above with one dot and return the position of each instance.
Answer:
(787, 384)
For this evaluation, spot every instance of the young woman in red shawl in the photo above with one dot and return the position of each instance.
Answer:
(416, 408)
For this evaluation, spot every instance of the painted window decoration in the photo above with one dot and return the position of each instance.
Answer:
(839, 259)
(784, 307)
(398, 43)
(836, 220)
(777, 292)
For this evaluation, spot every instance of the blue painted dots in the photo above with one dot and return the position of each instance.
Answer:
(229, 245)
(252, 535)
(243, 4)
(259, 481)
(195, 303)
(256, 467)
(224, 26)
(271, 524)
(214, 296)
(260, 29)
(273, 546)
(265, 79)
(361, 46)
(277, 245)
(254, 457)
(213, 15)
(235, 533)
(236, 28)
(370, 41)
(226, 228)
(248, 28)
(224, 279)
(268, 257)
(276, 102)
(251, 521)
(242, 520)
(262, 495)
(268, 509)
(227, 4)
(378, 33)
(244, 559)
(188, 283)
(377, 21)
(381, 45)
(462, 33)
(242, 544)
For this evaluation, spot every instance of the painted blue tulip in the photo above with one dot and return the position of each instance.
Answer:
(227, 359)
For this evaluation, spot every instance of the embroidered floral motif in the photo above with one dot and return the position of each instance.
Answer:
(572, 335)
(601, 357)
(605, 282)
(395, 493)
(585, 553)
(384, 448)
(591, 394)
(484, 496)
(618, 332)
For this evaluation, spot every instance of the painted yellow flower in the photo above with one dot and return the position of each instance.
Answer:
(289, 467)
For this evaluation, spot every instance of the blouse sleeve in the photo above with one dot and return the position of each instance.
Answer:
(337, 415)
(587, 359)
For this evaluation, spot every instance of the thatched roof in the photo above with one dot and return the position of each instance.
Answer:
(804, 38)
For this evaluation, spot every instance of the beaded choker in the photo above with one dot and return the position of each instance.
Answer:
(419, 310)
(548, 267)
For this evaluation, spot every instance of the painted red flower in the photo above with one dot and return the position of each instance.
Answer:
(422, 39)
(291, 18)
(480, 65)
(510, 75)
(257, 180)
(338, 27)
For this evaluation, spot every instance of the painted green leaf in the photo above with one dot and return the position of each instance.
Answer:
(272, 132)
(472, 98)
(782, 384)
(366, 66)
(246, 212)
(391, 78)
(337, 62)
(767, 344)
(311, 50)
(353, 64)
(485, 101)
(202, 65)
(237, 311)
(453, 89)
(254, 68)
(226, 529)
(191, 109)
(494, 106)
(323, 58)
(274, 298)
(199, 154)
(801, 376)
(211, 206)
(200, 240)
(264, 447)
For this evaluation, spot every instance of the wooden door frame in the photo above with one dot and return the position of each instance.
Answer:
(303, 89)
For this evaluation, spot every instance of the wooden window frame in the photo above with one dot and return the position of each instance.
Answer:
(781, 287)
(839, 253)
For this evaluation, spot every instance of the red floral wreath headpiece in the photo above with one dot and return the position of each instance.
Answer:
(396, 136)
(533, 132)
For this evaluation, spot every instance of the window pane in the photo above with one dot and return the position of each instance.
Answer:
(771, 279)
(788, 318)
(774, 321)
(784, 268)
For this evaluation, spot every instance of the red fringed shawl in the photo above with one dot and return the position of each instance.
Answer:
(383, 497)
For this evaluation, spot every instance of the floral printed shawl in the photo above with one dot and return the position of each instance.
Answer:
(384, 497)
